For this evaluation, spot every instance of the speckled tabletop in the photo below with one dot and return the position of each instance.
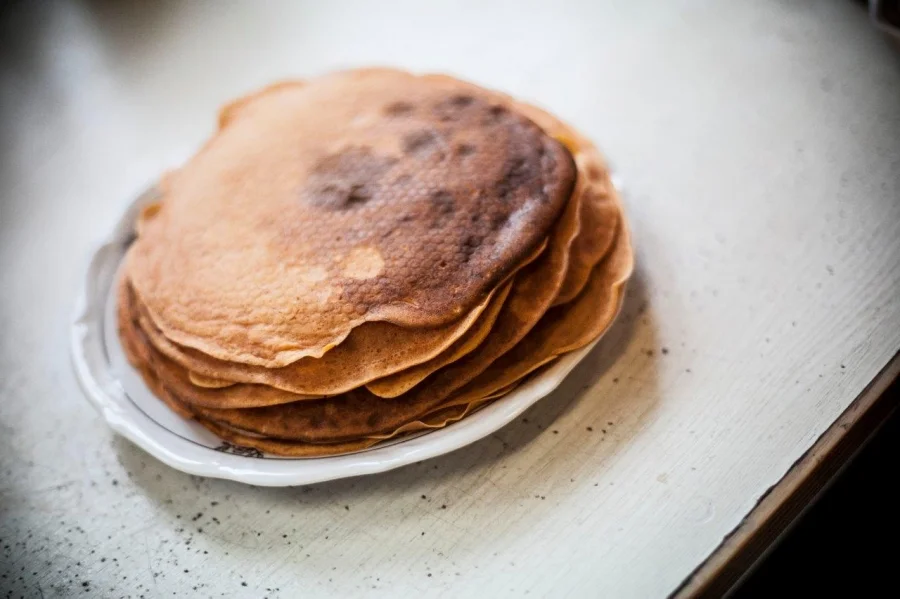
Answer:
(759, 144)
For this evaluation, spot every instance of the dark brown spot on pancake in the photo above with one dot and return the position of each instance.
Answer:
(346, 180)
(594, 174)
(469, 247)
(420, 142)
(495, 115)
(517, 175)
(442, 200)
(359, 194)
(461, 100)
(442, 208)
(497, 221)
(450, 108)
(398, 109)
(465, 150)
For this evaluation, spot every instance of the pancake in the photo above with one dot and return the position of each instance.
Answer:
(600, 209)
(138, 355)
(599, 218)
(600, 212)
(154, 367)
(564, 328)
(404, 380)
(342, 418)
(438, 419)
(371, 351)
(143, 356)
(534, 289)
(362, 196)
(285, 448)
(532, 292)
(404, 251)
(561, 330)
(208, 382)
(530, 296)
(448, 413)
(361, 413)
(399, 366)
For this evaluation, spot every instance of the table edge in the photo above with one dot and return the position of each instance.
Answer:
(782, 504)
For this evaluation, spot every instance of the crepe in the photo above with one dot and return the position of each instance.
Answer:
(371, 351)
(564, 328)
(360, 414)
(201, 380)
(402, 381)
(532, 291)
(403, 252)
(437, 419)
(361, 196)
(536, 287)
(331, 420)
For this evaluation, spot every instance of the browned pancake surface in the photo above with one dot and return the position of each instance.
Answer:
(371, 351)
(360, 196)
(563, 328)
(350, 197)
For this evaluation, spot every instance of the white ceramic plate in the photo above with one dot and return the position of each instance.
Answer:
(119, 394)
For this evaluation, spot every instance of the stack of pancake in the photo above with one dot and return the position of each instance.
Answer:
(367, 255)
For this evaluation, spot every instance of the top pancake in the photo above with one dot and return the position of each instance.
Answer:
(362, 196)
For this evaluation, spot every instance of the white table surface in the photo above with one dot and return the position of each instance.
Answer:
(760, 147)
